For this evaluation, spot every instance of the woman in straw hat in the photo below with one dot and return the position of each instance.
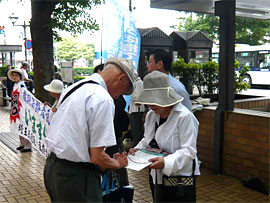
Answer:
(55, 89)
(171, 128)
(16, 75)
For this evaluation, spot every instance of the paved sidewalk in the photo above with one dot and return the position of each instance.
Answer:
(21, 177)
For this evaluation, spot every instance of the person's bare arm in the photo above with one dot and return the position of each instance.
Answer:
(28, 80)
(104, 161)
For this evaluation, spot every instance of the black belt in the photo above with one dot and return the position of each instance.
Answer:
(88, 165)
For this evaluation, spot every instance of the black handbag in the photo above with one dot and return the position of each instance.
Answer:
(185, 184)
(115, 193)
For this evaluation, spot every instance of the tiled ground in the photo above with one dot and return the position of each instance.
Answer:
(21, 177)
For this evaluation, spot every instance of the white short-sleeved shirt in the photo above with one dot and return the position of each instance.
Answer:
(177, 136)
(84, 120)
(25, 75)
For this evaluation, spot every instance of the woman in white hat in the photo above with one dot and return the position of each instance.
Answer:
(171, 128)
(55, 89)
(16, 75)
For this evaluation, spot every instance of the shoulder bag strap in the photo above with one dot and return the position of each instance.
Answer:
(75, 88)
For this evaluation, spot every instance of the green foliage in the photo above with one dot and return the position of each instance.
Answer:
(31, 73)
(70, 49)
(248, 31)
(187, 72)
(239, 85)
(209, 73)
(208, 24)
(78, 77)
(3, 70)
(83, 71)
(87, 51)
(206, 75)
(73, 17)
(252, 31)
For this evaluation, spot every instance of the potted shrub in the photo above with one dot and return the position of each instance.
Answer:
(238, 77)
(186, 72)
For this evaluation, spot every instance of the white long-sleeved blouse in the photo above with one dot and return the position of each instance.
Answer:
(177, 136)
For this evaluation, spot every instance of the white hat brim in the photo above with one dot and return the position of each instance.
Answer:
(50, 89)
(159, 97)
(10, 74)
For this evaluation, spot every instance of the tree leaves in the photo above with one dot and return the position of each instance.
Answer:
(73, 17)
(69, 50)
(248, 31)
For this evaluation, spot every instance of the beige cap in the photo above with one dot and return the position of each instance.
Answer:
(127, 67)
(157, 91)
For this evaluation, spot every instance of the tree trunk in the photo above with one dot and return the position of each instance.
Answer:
(42, 41)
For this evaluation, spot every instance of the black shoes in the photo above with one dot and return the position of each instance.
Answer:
(20, 147)
(26, 150)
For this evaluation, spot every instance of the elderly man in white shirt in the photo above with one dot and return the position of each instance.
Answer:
(171, 128)
(81, 129)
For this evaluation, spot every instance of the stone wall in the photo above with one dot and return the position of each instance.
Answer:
(246, 142)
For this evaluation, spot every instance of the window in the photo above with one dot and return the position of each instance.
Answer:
(245, 59)
(264, 60)
(199, 56)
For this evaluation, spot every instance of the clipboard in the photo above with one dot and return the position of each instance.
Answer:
(140, 161)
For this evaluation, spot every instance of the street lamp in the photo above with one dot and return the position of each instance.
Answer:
(14, 19)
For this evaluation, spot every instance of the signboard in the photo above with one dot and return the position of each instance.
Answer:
(30, 118)
(28, 44)
(67, 72)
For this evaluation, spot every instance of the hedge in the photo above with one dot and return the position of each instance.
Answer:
(83, 71)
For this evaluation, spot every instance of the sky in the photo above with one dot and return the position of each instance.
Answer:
(144, 17)
(149, 17)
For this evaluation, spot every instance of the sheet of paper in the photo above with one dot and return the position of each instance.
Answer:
(139, 161)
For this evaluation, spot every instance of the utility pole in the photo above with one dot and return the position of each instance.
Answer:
(130, 5)
(13, 20)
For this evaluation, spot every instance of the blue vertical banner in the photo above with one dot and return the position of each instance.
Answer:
(120, 37)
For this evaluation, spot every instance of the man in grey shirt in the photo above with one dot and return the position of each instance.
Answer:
(160, 60)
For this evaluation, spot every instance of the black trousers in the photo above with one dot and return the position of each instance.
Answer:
(67, 181)
(170, 193)
(136, 126)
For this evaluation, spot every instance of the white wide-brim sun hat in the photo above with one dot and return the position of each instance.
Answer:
(157, 91)
(56, 86)
(15, 70)
(128, 68)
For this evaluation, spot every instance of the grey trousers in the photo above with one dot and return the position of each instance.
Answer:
(67, 181)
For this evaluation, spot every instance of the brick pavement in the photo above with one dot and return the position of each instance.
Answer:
(21, 177)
